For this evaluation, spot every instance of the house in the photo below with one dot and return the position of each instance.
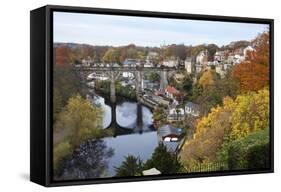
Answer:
(173, 93)
(188, 65)
(247, 50)
(150, 85)
(171, 63)
(202, 57)
(192, 109)
(238, 59)
(198, 68)
(146, 64)
(219, 56)
(97, 76)
(128, 75)
(151, 56)
(87, 62)
(169, 133)
(175, 114)
(130, 62)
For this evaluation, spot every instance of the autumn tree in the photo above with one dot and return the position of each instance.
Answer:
(253, 73)
(77, 122)
(63, 55)
(234, 120)
(251, 113)
(208, 78)
(209, 135)
(112, 55)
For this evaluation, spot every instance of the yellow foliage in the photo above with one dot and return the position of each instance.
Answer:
(251, 113)
(234, 119)
(206, 79)
(61, 150)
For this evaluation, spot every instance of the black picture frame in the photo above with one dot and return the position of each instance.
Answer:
(41, 65)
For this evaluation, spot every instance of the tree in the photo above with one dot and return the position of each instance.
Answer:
(251, 113)
(80, 120)
(234, 120)
(253, 74)
(163, 160)
(66, 84)
(208, 78)
(250, 152)
(212, 48)
(210, 133)
(131, 166)
(111, 56)
(213, 90)
(77, 122)
(154, 77)
(63, 56)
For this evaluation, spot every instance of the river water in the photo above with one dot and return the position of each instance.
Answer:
(98, 158)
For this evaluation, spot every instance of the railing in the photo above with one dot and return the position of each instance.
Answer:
(208, 167)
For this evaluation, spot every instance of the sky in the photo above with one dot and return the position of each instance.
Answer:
(95, 29)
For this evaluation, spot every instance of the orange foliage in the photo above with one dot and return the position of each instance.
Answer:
(253, 73)
(62, 56)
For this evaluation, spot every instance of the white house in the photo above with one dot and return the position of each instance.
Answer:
(219, 56)
(87, 62)
(171, 63)
(146, 64)
(97, 76)
(175, 114)
(202, 57)
(129, 75)
(192, 109)
(198, 68)
(248, 49)
(152, 56)
(188, 65)
(238, 59)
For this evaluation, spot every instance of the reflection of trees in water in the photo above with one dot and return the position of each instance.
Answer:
(90, 160)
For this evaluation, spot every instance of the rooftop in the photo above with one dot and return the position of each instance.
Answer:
(168, 129)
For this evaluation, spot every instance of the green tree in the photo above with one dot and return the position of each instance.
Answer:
(152, 77)
(131, 166)
(66, 84)
(251, 152)
(163, 160)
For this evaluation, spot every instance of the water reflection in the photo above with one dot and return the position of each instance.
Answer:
(90, 160)
(126, 114)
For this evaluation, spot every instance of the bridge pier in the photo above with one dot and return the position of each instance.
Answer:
(112, 91)
(163, 79)
(139, 85)
(113, 119)
(139, 118)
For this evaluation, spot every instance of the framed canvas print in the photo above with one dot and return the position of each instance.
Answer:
(123, 95)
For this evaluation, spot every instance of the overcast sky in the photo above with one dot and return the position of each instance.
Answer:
(123, 30)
